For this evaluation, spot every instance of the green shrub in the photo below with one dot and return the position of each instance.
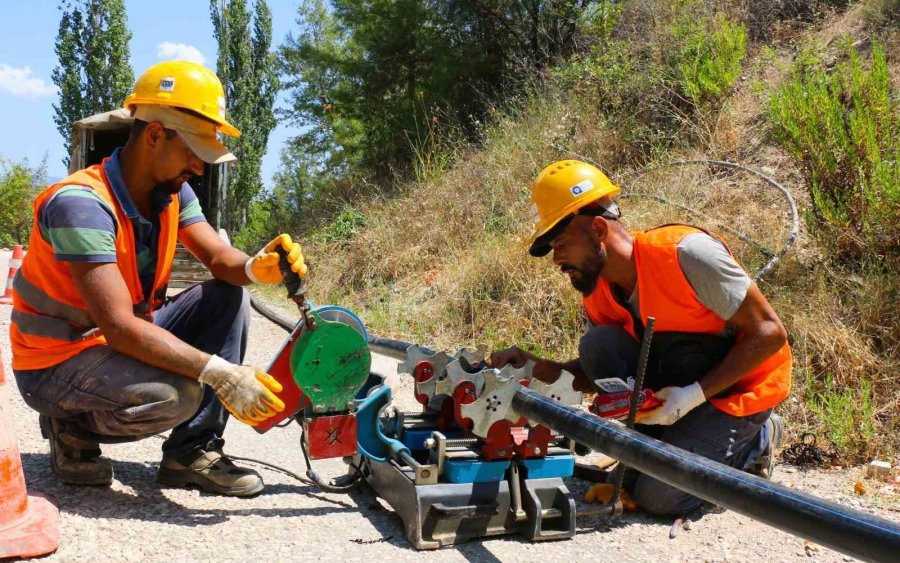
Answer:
(651, 76)
(258, 229)
(844, 128)
(709, 61)
(18, 186)
(846, 413)
(342, 227)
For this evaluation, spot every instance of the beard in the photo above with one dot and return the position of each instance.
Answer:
(169, 188)
(173, 186)
(585, 275)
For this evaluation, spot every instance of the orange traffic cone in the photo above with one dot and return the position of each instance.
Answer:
(14, 264)
(29, 525)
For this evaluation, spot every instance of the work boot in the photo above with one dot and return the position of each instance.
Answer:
(765, 463)
(211, 471)
(74, 460)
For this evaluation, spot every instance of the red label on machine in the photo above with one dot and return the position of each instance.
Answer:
(293, 398)
(330, 436)
(613, 398)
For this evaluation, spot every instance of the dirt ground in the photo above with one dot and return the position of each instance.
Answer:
(134, 520)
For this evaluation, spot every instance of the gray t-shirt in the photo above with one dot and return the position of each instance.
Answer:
(719, 282)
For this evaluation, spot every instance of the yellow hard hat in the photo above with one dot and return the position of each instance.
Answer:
(560, 191)
(183, 84)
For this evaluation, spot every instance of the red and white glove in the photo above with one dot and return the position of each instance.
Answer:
(677, 402)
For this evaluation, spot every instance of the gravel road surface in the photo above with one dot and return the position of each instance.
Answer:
(134, 520)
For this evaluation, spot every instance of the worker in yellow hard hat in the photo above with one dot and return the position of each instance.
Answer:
(98, 349)
(719, 361)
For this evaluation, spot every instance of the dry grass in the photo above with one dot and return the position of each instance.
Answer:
(445, 263)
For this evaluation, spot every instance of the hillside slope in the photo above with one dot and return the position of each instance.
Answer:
(445, 262)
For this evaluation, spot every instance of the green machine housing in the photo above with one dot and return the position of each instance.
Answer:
(322, 366)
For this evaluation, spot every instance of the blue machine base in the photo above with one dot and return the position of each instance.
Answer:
(474, 471)
(550, 466)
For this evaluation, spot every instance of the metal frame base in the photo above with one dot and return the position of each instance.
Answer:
(451, 513)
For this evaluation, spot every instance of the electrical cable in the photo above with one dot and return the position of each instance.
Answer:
(354, 480)
(312, 478)
(774, 257)
(270, 314)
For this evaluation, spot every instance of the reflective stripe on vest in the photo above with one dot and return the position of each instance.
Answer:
(665, 294)
(43, 303)
(50, 321)
(51, 327)
(38, 300)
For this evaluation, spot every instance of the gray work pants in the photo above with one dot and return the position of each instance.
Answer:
(108, 397)
(608, 351)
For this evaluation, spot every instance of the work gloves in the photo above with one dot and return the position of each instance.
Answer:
(602, 493)
(247, 392)
(263, 268)
(677, 402)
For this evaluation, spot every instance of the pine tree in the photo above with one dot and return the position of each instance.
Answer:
(94, 74)
(372, 82)
(246, 65)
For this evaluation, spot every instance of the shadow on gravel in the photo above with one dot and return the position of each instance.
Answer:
(587, 524)
(147, 501)
(390, 530)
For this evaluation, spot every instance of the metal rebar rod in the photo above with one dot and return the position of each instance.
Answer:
(636, 395)
(850, 531)
(643, 358)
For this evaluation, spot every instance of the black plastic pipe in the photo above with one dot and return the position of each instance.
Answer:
(392, 348)
(844, 529)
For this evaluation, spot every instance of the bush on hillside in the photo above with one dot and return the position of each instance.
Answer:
(18, 186)
(662, 76)
(710, 59)
(843, 126)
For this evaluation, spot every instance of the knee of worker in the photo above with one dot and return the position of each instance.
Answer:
(228, 302)
(655, 497)
(607, 351)
(230, 299)
(160, 405)
(188, 396)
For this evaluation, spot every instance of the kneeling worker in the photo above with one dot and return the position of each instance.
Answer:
(97, 350)
(719, 359)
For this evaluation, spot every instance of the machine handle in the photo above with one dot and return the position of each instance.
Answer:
(444, 512)
(371, 442)
(289, 278)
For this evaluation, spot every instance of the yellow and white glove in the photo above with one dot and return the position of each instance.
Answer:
(247, 392)
(263, 268)
(677, 402)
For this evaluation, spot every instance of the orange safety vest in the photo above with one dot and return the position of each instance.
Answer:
(665, 293)
(50, 322)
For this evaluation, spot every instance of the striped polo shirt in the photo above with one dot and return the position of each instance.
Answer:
(81, 226)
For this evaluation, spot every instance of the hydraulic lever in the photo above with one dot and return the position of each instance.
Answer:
(296, 290)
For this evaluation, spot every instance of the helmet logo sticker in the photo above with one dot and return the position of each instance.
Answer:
(167, 84)
(581, 187)
(222, 107)
(535, 215)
